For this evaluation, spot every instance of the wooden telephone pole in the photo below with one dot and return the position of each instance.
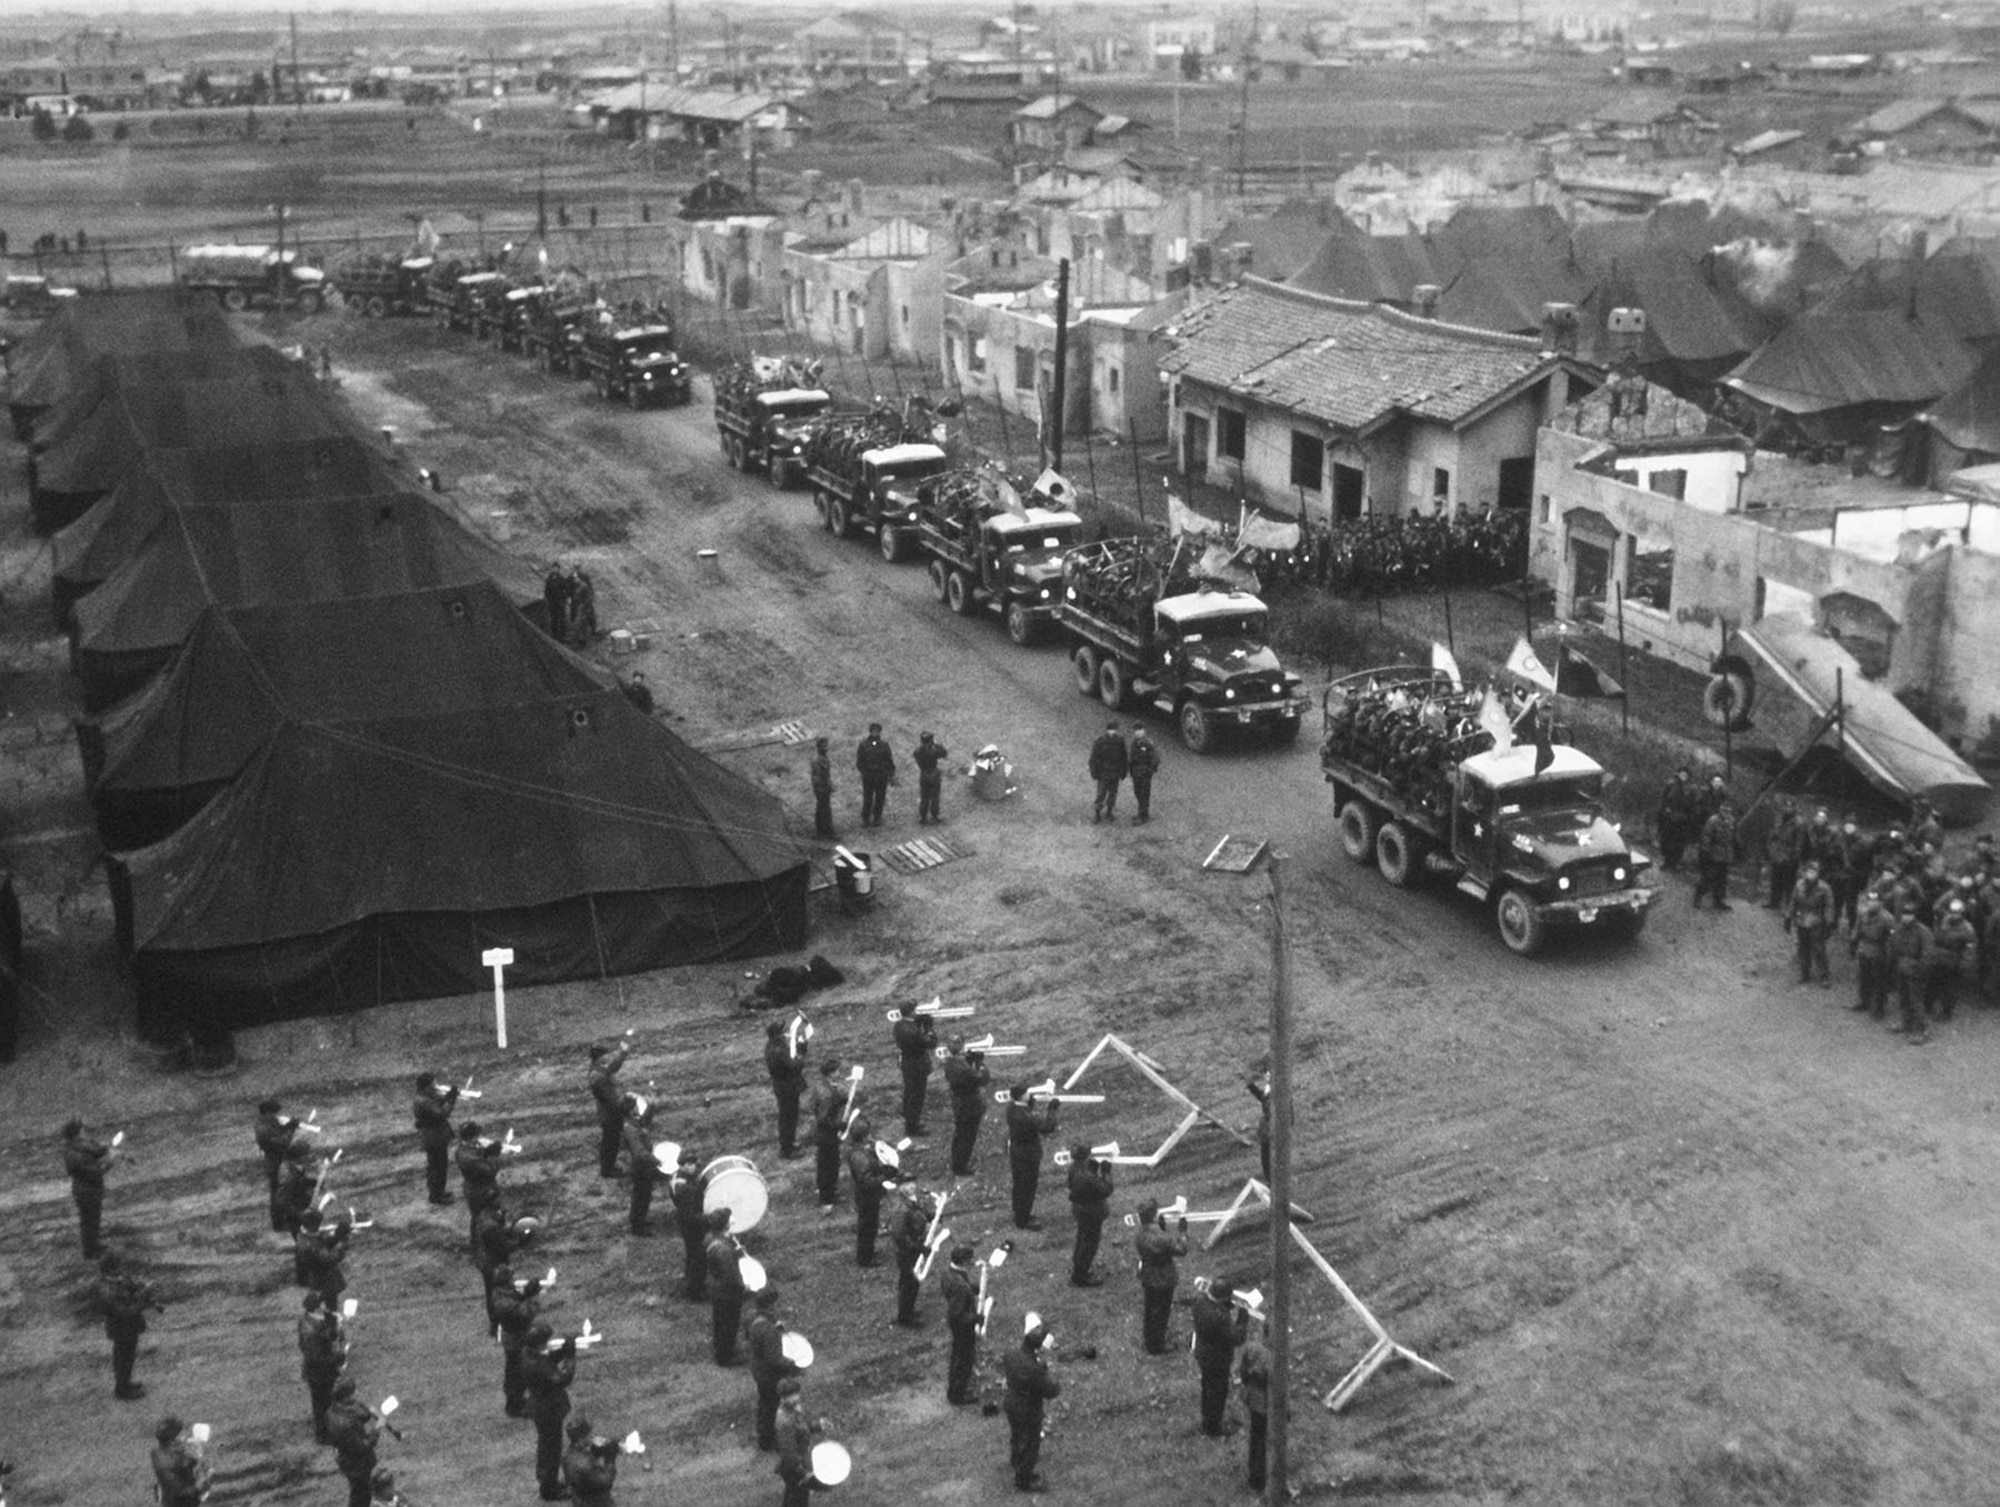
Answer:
(1278, 1440)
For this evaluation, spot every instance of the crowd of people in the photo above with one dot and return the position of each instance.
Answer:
(1380, 554)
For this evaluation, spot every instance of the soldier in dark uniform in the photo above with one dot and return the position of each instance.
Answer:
(432, 1114)
(794, 1440)
(555, 601)
(1715, 850)
(961, 1319)
(877, 765)
(928, 755)
(638, 693)
(319, 1254)
(829, 1108)
(589, 1465)
(1953, 941)
(548, 1371)
(641, 1167)
(1260, 1090)
(821, 771)
(275, 1131)
(499, 1238)
(1910, 963)
(1110, 761)
(1784, 846)
(322, 1357)
(478, 1173)
(608, 1098)
(178, 1473)
(1219, 1327)
(354, 1431)
(1253, 1372)
(295, 1188)
(86, 1159)
(916, 1053)
(871, 1179)
(1869, 947)
(1142, 762)
(516, 1306)
(1674, 820)
(1159, 1273)
(688, 1190)
(1025, 1128)
(966, 1076)
(769, 1365)
(788, 1083)
(1809, 913)
(913, 1219)
(383, 1486)
(1029, 1388)
(124, 1300)
(1090, 1201)
(725, 1289)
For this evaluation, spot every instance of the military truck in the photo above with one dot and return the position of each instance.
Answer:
(988, 549)
(864, 475)
(633, 362)
(377, 285)
(1423, 785)
(520, 309)
(765, 412)
(241, 277)
(1146, 625)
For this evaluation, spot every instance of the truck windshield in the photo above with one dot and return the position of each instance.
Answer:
(798, 408)
(1580, 793)
(1067, 536)
(650, 347)
(1226, 625)
(909, 470)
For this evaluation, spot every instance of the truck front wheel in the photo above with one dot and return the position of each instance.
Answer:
(958, 593)
(893, 542)
(1020, 623)
(839, 518)
(1357, 824)
(1113, 684)
(1521, 925)
(311, 303)
(1084, 662)
(940, 578)
(1198, 730)
(1398, 855)
(377, 307)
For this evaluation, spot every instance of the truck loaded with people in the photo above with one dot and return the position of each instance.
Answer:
(1431, 779)
(378, 285)
(988, 548)
(864, 471)
(765, 412)
(1146, 626)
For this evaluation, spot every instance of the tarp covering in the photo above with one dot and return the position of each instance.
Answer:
(51, 361)
(1969, 416)
(158, 757)
(353, 865)
(310, 551)
(1896, 752)
(120, 522)
(1825, 361)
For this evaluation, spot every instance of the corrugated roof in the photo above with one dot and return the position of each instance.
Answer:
(1960, 293)
(1689, 316)
(693, 104)
(1969, 416)
(1840, 358)
(1348, 364)
(896, 240)
(1051, 105)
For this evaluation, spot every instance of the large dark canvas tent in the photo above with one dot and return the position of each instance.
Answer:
(158, 757)
(49, 363)
(359, 863)
(120, 522)
(241, 398)
(310, 551)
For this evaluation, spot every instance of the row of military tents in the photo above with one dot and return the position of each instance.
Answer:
(333, 755)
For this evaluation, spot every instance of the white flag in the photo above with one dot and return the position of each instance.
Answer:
(1009, 498)
(1493, 718)
(1275, 536)
(1056, 487)
(1182, 519)
(1524, 663)
(1442, 659)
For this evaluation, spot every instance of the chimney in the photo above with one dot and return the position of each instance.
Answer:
(1201, 262)
(1559, 326)
(1424, 300)
(1239, 258)
(857, 196)
(1627, 327)
(811, 178)
(1920, 245)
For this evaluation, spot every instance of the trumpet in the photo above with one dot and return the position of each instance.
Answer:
(465, 1089)
(1251, 1302)
(389, 1405)
(934, 1238)
(1108, 1152)
(1047, 1090)
(937, 1009)
(991, 1264)
(797, 1034)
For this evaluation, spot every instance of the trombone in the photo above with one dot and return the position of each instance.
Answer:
(934, 1238)
(937, 1009)
(1105, 1153)
(850, 1109)
(985, 1044)
(1047, 1090)
(797, 1033)
(1175, 1210)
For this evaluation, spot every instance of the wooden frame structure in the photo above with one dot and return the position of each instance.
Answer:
(1154, 1074)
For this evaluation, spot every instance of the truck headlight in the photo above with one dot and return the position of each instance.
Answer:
(1563, 882)
(1618, 874)
(1229, 694)
(1045, 593)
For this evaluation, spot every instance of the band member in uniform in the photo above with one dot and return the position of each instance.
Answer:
(769, 1364)
(322, 1357)
(605, 1094)
(725, 1289)
(916, 1049)
(1159, 1272)
(871, 1180)
(515, 1306)
(1025, 1128)
(966, 1076)
(927, 756)
(124, 1300)
(913, 1220)
(590, 1468)
(1090, 1202)
(295, 1188)
(1029, 1388)
(432, 1113)
(829, 1109)
(500, 1235)
(319, 1251)
(788, 1083)
(1219, 1327)
(354, 1431)
(548, 1372)
(1253, 1371)
(179, 1473)
(478, 1172)
(794, 1437)
(86, 1159)
(643, 1169)
(877, 766)
(688, 1192)
(275, 1131)
(961, 1318)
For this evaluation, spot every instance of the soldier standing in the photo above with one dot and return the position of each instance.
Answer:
(871, 1179)
(1109, 763)
(769, 1364)
(354, 1431)
(275, 1131)
(499, 1237)
(86, 1159)
(322, 1357)
(1142, 761)
(1675, 818)
(548, 1371)
(591, 1467)
(1025, 1128)
(794, 1442)
(478, 1173)
(318, 1253)
(829, 1108)
(1809, 913)
(1029, 1388)
(1952, 942)
(1219, 1327)
(516, 1305)
(725, 1288)
(1159, 1273)
(1848, 873)
(1784, 845)
(1090, 1202)
(908, 1236)
(929, 754)
(432, 1114)
(821, 770)
(295, 1188)
(555, 601)
(788, 1083)
(961, 1319)
(1715, 850)
(916, 1051)
(1253, 1371)
(124, 1300)
(178, 1473)
(643, 1169)
(1910, 958)
(1869, 948)
(605, 1061)
(877, 765)
(689, 1193)
(966, 1076)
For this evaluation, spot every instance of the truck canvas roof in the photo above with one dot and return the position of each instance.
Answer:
(1516, 765)
(1033, 518)
(793, 395)
(418, 263)
(478, 277)
(233, 253)
(1193, 606)
(515, 295)
(901, 455)
(641, 331)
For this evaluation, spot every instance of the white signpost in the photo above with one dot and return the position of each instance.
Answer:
(497, 958)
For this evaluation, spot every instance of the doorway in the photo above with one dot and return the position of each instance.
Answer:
(1194, 445)
(1350, 490)
(1517, 483)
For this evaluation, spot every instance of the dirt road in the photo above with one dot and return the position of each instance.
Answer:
(1682, 1231)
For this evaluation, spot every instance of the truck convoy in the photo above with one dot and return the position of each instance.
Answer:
(1422, 785)
(765, 411)
(864, 472)
(379, 285)
(633, 363)
(1145, 626)
(984, 552)
(240, 276)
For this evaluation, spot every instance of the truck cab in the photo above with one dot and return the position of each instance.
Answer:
(637, 362)
(1023, 551)
(519, 309)
(885, 494)
(786, 416)
(1217, 668)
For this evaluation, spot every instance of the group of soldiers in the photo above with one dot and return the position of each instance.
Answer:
(875, 762)
(1380, 554)
(1114, 759)
(569, 596)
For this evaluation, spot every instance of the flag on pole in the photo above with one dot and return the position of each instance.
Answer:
(1524, 663)
(1443, 659)
(1056, 487)
(1182, 519)
(1493, 718)
(1009, 498)
(1276, 536)
(427, 238)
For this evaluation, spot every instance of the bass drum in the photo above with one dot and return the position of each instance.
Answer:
(735, 1184)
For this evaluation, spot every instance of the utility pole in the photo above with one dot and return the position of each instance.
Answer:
(1243, 104)
(298, 86)
(1053, 428)
(674, 38)
(1276, 1453)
